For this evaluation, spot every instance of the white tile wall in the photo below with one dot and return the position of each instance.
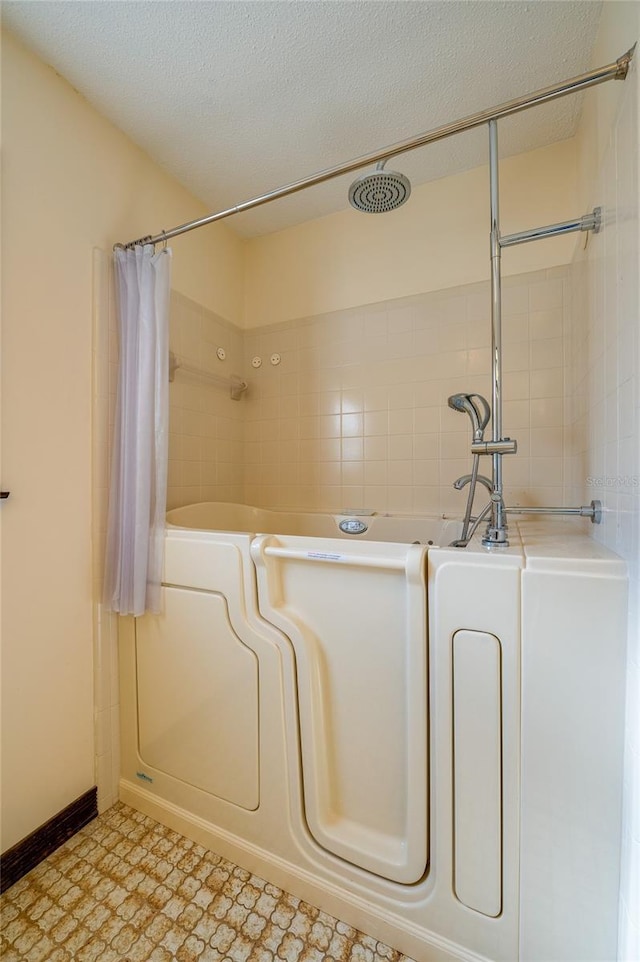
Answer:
(603, 428)
(206, 426)
(355, 414)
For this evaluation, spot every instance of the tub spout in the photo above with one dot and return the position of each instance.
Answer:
(466, 478)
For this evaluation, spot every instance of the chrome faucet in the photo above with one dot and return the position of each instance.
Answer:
(479, 411)
(466, 478)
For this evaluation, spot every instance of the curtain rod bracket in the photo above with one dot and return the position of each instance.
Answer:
(624, 62)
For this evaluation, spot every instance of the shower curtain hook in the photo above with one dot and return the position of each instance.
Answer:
(164, 239)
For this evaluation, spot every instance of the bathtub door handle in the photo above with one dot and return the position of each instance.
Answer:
(330, 557)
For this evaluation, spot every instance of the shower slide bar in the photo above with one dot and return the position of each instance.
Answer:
(614, 71)
(235, 384)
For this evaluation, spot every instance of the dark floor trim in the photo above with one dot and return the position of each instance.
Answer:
(25, 855)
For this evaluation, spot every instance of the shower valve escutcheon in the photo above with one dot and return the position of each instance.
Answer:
(504, 446)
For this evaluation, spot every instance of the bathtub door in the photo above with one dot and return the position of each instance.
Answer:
(356, 617)
(198, 697)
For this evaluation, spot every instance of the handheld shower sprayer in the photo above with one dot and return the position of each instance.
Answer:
(476, 407)
(479, 411)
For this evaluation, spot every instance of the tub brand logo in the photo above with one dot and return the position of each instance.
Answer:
(144, 777)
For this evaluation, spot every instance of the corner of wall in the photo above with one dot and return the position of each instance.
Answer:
(603, 370)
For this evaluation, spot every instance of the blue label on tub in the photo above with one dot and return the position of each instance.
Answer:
(144, 777)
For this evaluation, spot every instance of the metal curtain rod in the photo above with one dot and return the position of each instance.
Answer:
(613, 71)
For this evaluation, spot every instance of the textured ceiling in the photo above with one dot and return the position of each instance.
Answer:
(237, 98)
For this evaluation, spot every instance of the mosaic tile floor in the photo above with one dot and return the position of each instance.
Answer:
(126, 889)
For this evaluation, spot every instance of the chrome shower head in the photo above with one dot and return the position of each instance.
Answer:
(380, 191)
(478, 410)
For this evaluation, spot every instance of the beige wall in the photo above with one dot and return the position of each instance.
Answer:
(439, 239)
(71, 182)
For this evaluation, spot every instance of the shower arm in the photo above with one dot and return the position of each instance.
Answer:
(617, 70)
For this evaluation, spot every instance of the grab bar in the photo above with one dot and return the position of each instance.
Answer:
(592, 221)
(236, 384)
(411, 564)
(593, 511)
(330, 557)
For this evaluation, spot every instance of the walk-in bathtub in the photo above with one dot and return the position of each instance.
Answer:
(357, 525)
(421, 740)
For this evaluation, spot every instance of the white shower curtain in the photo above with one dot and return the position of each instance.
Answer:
(138, 495)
